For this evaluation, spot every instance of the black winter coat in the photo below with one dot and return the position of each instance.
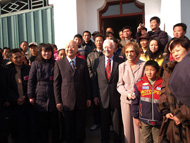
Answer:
(40, 85)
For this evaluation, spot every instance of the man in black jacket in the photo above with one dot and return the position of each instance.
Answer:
(88, 45)
(17, 77)
(156, 32)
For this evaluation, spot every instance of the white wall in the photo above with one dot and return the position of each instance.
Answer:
(81, 16)
(185, 10)
(75, 16)
(171, 14)
(92, 14)
(152, 8)
(65, 21)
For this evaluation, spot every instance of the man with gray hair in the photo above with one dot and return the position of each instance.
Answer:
(72, 92)
(105, 93)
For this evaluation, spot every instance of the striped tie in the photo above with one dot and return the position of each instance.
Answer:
(108, 70)
(72, 65)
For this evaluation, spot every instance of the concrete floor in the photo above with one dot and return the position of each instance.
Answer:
(93, 136)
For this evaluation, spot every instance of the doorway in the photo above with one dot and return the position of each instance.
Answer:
(117, 14)
(119, 22)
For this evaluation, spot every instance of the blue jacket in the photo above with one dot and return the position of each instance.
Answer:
(145, 105)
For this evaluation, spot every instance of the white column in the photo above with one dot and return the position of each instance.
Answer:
(152, 8)
(65, 20)
(185, 10)
(171, 14)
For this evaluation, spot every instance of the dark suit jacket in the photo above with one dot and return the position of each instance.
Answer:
(106, 90)
(71, 88)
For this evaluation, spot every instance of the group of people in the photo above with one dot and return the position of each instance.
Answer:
(138, 86)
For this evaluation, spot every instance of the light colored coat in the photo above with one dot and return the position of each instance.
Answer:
(125, 85)
(128, 78)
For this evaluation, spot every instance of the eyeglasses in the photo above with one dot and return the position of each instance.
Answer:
(131, 52)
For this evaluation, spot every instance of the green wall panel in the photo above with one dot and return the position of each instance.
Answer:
(31, 26)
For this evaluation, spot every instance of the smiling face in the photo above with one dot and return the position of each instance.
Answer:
(108, 48)
(150, 72)
(71, 49)
(46, 54)
(178, 32)
(61, 54)
(154, 25)
(17, 59)
(178, 53)
(153, 45)
(130, 53)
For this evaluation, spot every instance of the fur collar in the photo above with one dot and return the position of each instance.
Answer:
(170, 66)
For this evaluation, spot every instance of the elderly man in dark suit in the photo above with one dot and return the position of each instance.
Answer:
(105, 93)
(72, 92)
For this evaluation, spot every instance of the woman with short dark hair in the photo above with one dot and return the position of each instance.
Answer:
(176, 113)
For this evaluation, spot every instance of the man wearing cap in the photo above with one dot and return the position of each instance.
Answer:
(34, 51)
(144, 42)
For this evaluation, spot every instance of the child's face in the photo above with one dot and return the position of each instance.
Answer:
(61, 54)
(150, 72)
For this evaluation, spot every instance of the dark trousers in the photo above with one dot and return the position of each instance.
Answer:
(96, 114)
(46, 121)
(75, 125)
(111, 115)
(25, 131)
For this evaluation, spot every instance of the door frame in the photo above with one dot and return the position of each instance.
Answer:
(101, 18)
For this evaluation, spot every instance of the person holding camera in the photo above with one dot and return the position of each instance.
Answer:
(155, 31)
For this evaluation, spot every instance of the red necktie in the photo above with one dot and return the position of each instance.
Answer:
(108, 70)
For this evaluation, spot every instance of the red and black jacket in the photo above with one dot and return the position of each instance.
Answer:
(145, 105)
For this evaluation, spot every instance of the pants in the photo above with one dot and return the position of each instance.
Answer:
(96, 114)
(131, 131)
(25, 124)
(107, 115)
(75, 125)
(46, 121)
(149, 134)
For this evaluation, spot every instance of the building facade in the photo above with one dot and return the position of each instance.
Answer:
(57, 21)
(75, 16)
